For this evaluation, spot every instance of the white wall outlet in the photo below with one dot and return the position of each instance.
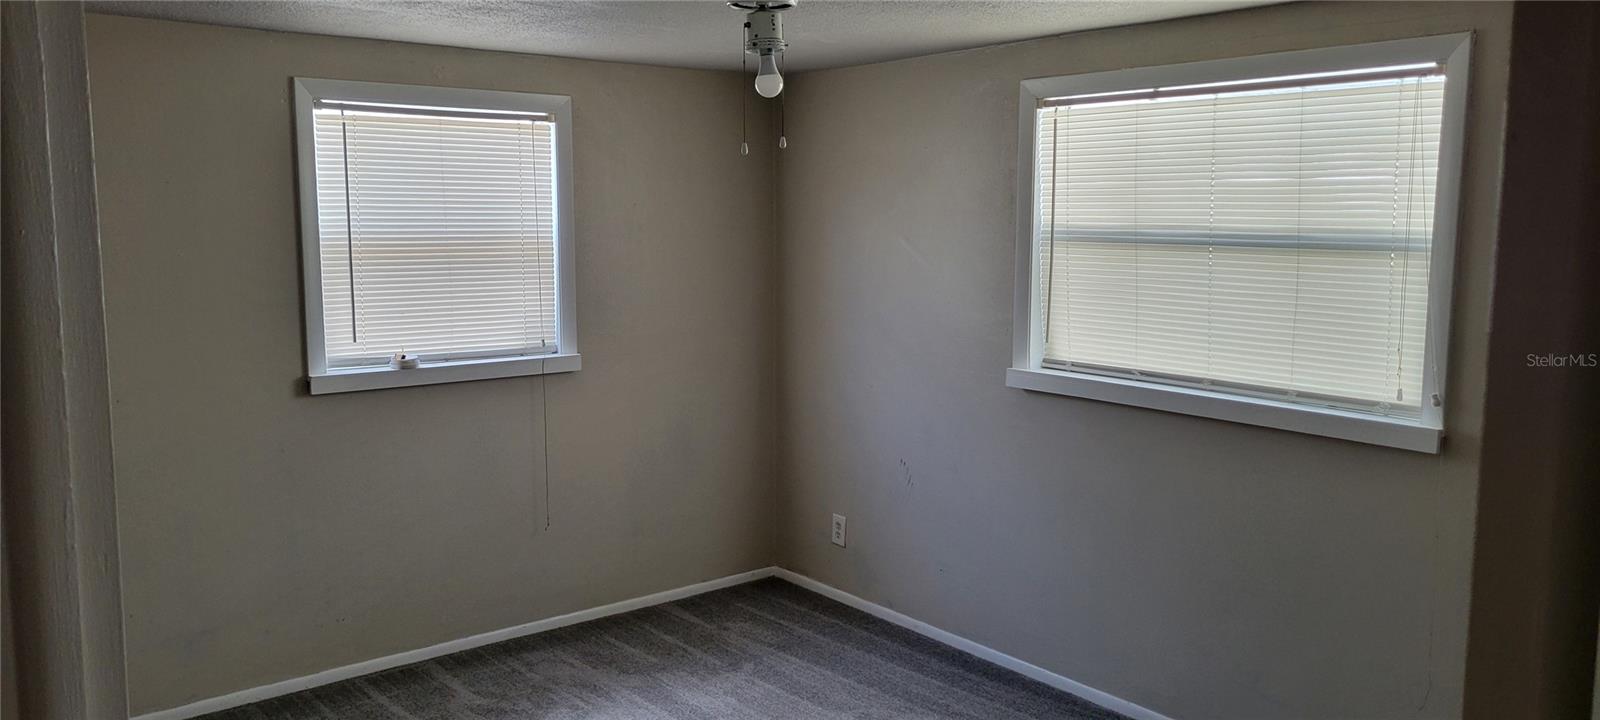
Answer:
(838, 530)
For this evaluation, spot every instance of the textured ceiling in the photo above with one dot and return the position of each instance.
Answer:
(687, 33)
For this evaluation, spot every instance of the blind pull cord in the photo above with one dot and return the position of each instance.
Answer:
(349, 220)
(544, 443)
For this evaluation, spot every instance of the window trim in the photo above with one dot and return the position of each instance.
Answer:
(1027, 371)
(321, 379)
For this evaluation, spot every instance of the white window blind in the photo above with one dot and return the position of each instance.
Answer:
(436, 231)
(1271, 239)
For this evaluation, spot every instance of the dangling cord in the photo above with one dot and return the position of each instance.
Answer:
(744, 125)
(783, 137)
(544, 423)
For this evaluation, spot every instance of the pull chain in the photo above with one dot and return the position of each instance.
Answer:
(783, 137)
(744, 124)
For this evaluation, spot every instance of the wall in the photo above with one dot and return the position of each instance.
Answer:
(1199, 568)
(267, 534)
(61, 650)
(1536, 569)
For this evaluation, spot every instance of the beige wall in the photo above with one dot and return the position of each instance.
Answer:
(267, 534)
(1200, 568)
(1536, 562)
(61, 622)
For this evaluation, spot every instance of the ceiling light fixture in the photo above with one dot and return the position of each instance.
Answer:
(763, 38)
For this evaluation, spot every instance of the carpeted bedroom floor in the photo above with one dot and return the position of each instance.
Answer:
(763, 650)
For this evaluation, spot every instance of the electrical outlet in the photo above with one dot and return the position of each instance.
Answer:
(838, 530)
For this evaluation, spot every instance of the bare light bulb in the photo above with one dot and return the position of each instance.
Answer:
(768, 82)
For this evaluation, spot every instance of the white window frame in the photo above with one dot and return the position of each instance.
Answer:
(1423, 434)
(324, 380)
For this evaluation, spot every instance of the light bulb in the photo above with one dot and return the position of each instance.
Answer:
(768, 82)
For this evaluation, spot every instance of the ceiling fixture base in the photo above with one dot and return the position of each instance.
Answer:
(760, 5)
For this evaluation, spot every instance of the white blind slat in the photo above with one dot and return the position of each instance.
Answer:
(437, 235)
(1273, 242)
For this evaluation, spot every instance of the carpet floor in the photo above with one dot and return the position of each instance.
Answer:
(762, 651)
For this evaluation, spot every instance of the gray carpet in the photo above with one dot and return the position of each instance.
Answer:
(762, 650)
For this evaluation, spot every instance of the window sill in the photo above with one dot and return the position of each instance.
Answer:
(340, 381)
(1327, 422)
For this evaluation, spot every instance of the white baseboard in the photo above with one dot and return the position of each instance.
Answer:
(266, 692)
(1103, 699)
(326, 677)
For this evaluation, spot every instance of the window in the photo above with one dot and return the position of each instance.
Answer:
(1264, 240)
(435, 222)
